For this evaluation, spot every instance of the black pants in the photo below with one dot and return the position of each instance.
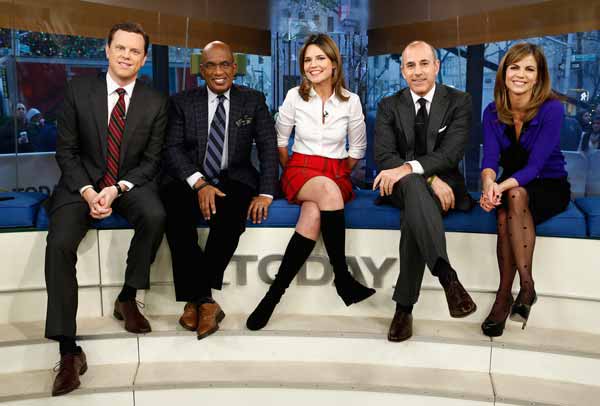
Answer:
(69, 224)
(196, 272)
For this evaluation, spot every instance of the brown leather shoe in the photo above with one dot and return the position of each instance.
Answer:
(189, 318)
(210, 314)
(69, 369)
(401, 327)
(135, 322)
(459, 301)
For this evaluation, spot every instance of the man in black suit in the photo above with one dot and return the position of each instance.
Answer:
(209, 174)
(110, 135)
(420, 136)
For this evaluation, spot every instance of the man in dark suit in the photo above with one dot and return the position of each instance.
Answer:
(420, 136)
(207, 160)
(110, 135)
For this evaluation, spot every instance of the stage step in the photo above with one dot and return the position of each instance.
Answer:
(445, 363)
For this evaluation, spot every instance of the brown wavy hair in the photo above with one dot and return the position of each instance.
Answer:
(327, 45)
(541, 92)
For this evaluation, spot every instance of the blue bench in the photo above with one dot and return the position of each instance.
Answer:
(19, 209)
(591, 208)
(362, 213)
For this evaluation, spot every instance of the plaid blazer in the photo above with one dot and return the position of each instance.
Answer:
(249, 122)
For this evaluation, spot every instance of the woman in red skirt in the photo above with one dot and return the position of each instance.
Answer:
(326, 117)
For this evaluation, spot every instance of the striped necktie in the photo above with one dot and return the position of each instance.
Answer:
(116, 126)
(215, 144)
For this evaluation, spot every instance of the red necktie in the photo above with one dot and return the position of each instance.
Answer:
(116, 126)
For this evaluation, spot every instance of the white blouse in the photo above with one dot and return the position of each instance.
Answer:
(313, 137)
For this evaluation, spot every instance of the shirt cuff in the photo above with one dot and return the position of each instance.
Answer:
(193, 178)
(266, 195)
(83, 189)
(416, 167)
(126, 183)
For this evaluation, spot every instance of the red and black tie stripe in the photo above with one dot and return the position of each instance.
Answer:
(116, 126)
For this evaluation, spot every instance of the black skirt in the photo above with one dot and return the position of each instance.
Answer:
(547, 196)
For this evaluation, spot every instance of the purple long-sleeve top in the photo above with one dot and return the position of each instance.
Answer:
(541, 139)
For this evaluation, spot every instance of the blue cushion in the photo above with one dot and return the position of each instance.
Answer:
(591, 208)
(363, 213)
(569, 223)
(21, 210)
(476, 220)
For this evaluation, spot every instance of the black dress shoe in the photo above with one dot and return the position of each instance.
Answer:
(69, 369)
(401, 327)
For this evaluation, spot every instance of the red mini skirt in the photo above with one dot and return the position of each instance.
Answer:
(301, 168)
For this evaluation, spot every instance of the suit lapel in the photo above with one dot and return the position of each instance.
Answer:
(99, 97)
(133, 117)
(407, 120)
(439, 105)
(200, 106)
(235, 112)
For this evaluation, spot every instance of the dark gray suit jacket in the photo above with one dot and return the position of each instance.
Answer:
(82, 137)
(447, 136)
(249, 122)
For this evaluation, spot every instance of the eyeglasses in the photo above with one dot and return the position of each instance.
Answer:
(211, 66)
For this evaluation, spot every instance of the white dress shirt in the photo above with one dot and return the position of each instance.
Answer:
(213, 102)
(313, 137)
(112, 99)
(416, 165)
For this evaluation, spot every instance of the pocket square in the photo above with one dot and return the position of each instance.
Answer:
(442, 129)
(243, 121)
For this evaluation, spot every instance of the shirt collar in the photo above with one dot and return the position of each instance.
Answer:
(212, 96)
(111, 86)
(428, 96)
(333, 98)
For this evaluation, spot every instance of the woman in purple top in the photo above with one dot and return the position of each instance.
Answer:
(521, 132)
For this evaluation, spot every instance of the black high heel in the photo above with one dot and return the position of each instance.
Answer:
(493, 328)
(520, 311)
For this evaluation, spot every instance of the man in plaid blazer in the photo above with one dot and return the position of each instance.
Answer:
(209, 175)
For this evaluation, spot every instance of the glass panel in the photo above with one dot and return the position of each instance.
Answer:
(12, 114)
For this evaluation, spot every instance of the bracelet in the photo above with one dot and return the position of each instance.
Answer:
(202, 186)
(430, 180)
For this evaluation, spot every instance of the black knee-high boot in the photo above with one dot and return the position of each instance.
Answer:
(333, 230)
(296, 253)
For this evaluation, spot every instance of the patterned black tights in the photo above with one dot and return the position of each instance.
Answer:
(516, 241)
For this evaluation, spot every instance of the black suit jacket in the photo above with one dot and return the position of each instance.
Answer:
(447, 136)
(249, 122)
(82, 137)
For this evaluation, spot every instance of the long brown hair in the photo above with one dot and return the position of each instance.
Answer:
(541, 90)
(327, 45)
